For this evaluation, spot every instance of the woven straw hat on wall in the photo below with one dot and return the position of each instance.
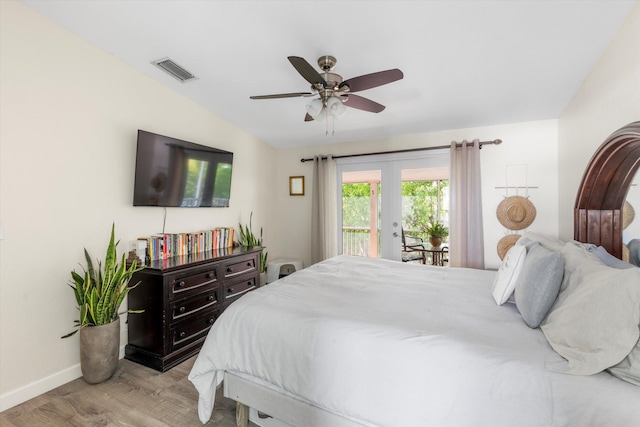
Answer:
(506, 243)
(516, 212)
(628, 214)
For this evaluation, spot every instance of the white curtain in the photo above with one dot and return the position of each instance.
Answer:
(466, 236)
(324, 210)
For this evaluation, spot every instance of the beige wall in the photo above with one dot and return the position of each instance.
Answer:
(608, 99)
(69, 116)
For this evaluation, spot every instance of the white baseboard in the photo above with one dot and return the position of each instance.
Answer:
(36, 388)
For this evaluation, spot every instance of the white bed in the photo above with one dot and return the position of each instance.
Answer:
(356, 341)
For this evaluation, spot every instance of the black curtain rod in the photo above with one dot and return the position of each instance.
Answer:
(440, 147)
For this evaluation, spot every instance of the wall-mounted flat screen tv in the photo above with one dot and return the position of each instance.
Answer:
(174, 173)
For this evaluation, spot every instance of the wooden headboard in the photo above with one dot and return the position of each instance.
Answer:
(604, 188)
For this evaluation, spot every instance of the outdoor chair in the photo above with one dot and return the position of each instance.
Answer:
(413, 249)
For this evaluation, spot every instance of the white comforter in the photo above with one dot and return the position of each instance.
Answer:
(391, 344)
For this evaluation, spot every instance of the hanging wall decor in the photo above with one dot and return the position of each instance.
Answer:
(514, 212)
(296, 185)
(506, 243)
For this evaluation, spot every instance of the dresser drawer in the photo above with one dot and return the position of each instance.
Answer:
(184, 333)
(182, 308)
(234, 269)
(192, 281)
(234, 290)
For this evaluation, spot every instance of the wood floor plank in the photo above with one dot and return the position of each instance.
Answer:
(136, 396)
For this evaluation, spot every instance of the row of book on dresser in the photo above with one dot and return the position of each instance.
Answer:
(168, 245)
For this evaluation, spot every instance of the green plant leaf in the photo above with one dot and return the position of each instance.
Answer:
(100, 291)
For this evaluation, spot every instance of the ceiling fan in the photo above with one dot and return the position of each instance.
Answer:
(334, 93)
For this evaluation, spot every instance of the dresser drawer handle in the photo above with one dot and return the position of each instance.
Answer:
(211, 321)
(181, 284)
(182, 309)
(229, 270)
(183, 334)
(249, 264)
(209, 275)
(211, 298)
(242, 292)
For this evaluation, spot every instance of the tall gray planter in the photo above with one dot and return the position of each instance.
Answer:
(99, 351)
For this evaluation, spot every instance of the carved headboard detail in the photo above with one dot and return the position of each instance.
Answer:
(604, 188)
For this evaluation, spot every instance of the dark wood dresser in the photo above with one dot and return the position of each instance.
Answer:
(182, 297)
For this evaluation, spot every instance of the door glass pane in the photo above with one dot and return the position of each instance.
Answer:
(425, 199)
(361, 213)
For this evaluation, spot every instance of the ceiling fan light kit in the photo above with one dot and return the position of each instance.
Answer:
(333, 93)
(335, 106)
(315, 107)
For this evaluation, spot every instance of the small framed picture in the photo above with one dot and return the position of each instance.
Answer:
(296, 185)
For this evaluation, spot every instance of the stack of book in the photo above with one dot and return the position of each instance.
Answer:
(169, 245)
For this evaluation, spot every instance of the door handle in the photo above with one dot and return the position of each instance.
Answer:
(395, 234)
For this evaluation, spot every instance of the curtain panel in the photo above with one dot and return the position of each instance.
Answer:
(466, 239)
(324, 210)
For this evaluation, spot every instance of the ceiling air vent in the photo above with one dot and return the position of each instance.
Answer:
(174, 70)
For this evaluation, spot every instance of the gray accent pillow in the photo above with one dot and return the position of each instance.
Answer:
(594, 322)
(609, 259)
(538, 284)
(634, 252)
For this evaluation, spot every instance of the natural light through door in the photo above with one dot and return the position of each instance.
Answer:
(387, 201)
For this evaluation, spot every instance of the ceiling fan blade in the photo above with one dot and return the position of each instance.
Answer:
(355, 101)
(282, 95)
(307, 71)
(308, 118)
(369, 81)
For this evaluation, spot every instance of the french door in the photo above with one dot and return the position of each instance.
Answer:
(371, 208)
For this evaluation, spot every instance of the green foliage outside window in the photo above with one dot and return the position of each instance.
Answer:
(422, 203)
(355, 205)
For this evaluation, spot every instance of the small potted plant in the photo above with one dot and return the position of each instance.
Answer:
(248, 239)
(99, 294)
(437, 231)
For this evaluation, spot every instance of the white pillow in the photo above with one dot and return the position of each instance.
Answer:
(505, 281)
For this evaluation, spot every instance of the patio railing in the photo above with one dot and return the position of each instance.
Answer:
(355, 240)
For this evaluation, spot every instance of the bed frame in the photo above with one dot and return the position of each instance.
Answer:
(604, 188)
(598, 214)
(283, 407)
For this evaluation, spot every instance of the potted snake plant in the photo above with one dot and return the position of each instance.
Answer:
(250, 240)
(99, 292)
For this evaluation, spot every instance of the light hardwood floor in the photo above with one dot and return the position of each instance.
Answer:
(135, 396)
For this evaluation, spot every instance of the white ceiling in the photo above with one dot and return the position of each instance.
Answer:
(465, 63)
